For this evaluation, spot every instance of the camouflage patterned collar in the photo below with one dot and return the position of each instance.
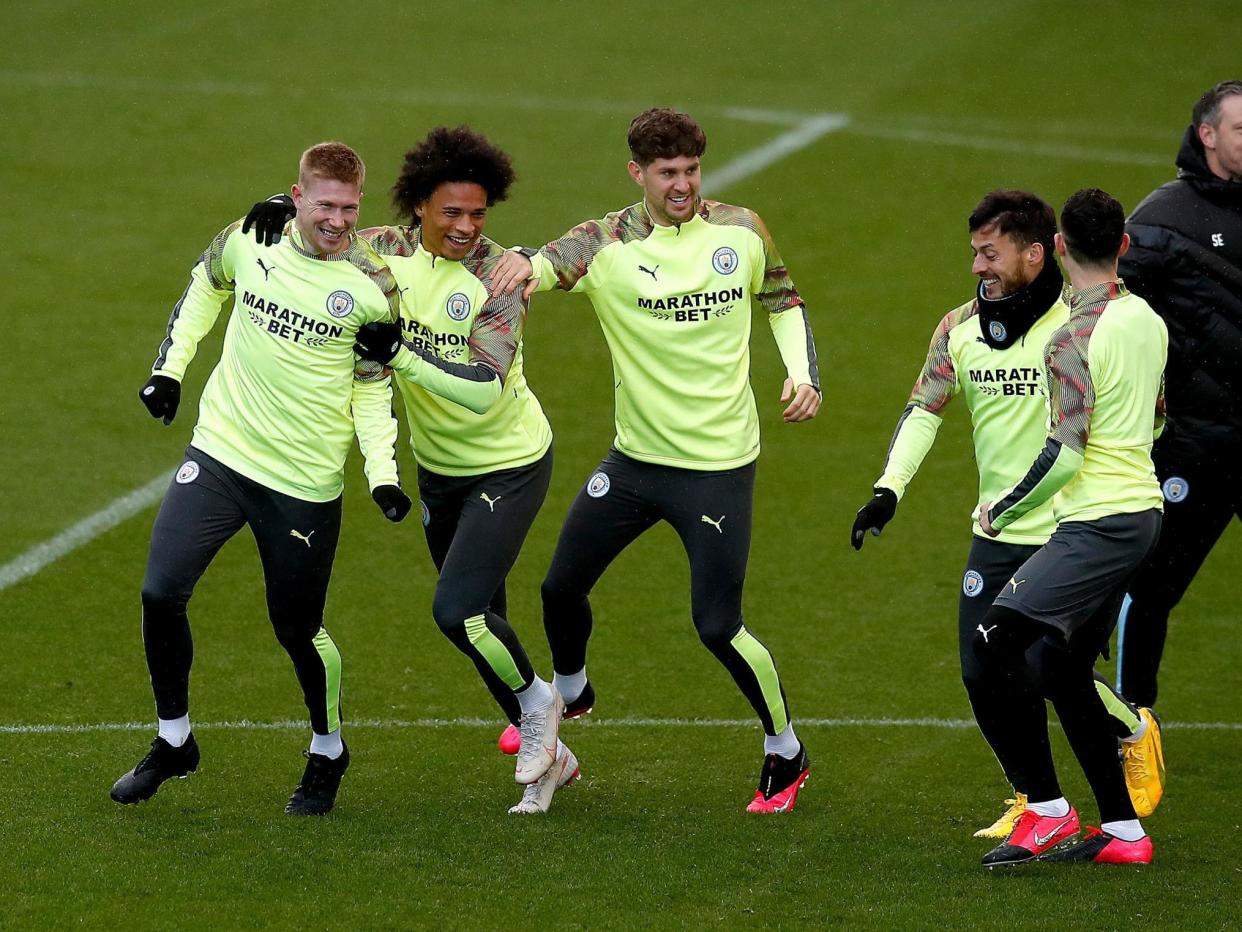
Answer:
(1109, 291)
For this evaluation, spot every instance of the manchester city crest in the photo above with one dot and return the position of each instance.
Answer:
(340, 303)
(1175, 489)
(598, 485)
(426, 513)
(724, 260)
(972, 583)
(187, 473)
(997, 330)
(458, 306)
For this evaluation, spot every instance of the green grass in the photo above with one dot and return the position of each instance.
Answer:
(135, 131)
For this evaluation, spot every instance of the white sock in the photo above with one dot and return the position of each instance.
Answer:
(570, 687)
(1126, 830)
(175, 730)
(785, 744)
(536, 696)
(1138, 733)
(1053, 808)
(329, 745)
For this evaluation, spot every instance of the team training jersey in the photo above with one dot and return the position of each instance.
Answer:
(1004, 390)
(287, 396)
(674, 305)
(448, 318)
(1105, 372)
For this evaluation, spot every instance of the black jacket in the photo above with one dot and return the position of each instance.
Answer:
(1185, 259)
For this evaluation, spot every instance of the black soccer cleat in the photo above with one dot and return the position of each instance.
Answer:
(316, 794)
(779, 782)
(583, 704)
(163, 762)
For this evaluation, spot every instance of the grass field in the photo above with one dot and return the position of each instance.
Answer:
(134, 131)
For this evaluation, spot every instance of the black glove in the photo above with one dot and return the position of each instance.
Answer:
(378, 342)
(161, 395)
(874, 515)
(269, 218)
(394, 503)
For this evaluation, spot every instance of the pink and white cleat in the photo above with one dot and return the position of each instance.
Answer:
(779, 782)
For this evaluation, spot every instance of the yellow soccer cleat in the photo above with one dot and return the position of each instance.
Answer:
(1143, 763)
(1008, 819)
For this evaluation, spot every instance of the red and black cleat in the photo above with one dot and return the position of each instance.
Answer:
(1032, 836)
(1099, 847)
(779, 782)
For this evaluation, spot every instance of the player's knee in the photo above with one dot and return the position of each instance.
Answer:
(450, 611)
(1001, 638)
(717, 629)
(159, 598)
(559, 591)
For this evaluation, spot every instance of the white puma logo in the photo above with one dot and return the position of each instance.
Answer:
(305, 538)
(985, 634)
(491, 502)
(1015, 583)
(716, 524)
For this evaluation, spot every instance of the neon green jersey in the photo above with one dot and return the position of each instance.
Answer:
(1105, 373)
(674, 305)
(1005, 393)
(448, 317)
(288, 394)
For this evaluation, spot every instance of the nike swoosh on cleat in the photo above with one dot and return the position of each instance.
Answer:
(1043, 841)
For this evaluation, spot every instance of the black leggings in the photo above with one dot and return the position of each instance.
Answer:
(1022, 662)
(475, 528)
(206, 504)
(711, 513)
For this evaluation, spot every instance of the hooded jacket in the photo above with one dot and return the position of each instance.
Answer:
(1185, 260)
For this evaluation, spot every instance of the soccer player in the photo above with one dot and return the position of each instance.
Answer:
(1104, 377)
(990, 351)
(671, 280)
(276, 421)
(484, 453)
(1185, 260)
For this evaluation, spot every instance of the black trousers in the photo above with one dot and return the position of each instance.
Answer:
(206, 504)
(475, 528)
(711, 513)
(1200, 499)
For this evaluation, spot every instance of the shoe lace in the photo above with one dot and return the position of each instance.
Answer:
(530, 726)
(153, 757)
(317, 775)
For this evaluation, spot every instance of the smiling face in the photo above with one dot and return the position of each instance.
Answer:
(453, 218)
(327, 212)
(670, 187)
(1003, 266)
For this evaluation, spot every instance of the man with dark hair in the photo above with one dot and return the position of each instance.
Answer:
(1104, 370)
(275, 424)
(1185, 259)
(482, 442)
(671, 280)
(991, 351)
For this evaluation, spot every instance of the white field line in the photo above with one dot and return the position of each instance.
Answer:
(787, 143)
(443, 723)
(33, 560)
(86, 530)
(1019, 146)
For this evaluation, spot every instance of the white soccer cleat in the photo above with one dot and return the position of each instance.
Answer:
(538, 795)
(539, 731)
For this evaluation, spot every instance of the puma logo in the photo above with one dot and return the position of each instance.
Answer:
(716, 524)
(1015, 583)
(266, 272)
(304, 538)
(651, 272)
(491, 502)
(986, 632)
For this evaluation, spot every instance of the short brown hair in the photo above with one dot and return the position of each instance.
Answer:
(1022, 215)
(1207, 107)
(661, 133)
(331, 161)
